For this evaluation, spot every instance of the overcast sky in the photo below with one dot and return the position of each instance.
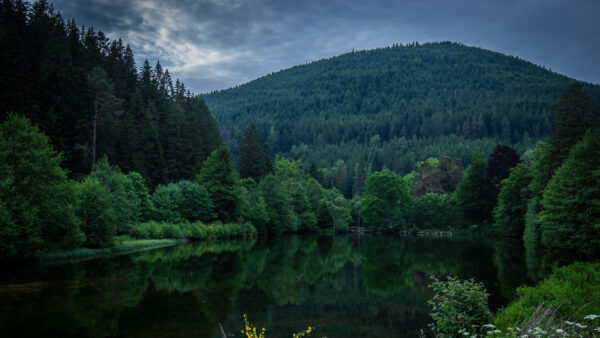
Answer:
(217, 44)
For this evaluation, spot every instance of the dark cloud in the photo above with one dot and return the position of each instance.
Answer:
(216, 44)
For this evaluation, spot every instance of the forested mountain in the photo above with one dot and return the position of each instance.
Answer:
(394, 106)
(85, 92)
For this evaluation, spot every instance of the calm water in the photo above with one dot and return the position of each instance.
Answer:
(373, 287)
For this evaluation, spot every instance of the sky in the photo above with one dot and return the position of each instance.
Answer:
(217, 44)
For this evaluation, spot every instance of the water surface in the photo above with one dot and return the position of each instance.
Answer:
(343, 287)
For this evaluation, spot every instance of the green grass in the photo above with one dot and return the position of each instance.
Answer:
(122, 248)
(572, 291)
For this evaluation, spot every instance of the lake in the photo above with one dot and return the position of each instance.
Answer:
(342, 287)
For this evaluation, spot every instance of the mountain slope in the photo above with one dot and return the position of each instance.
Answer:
(395, 105)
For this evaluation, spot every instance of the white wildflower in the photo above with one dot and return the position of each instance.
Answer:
(591, 317)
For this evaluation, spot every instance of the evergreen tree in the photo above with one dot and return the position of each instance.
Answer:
(475, 193)
(105, 103)
(574, 115)
(220, 178)
(509, 214)
(571, 211)
(252, 159)
(360, 175)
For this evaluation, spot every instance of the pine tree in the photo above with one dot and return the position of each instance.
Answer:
(571, 210)
(475, 193)
(575, 114)
(219, 177)
(105, 103)
(251, 162)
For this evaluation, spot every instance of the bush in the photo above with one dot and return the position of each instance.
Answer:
(572, 290)
(457, 305)
(192, 231)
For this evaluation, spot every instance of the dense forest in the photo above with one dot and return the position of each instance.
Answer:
(437, 138)
(394, 106)
(87, 94)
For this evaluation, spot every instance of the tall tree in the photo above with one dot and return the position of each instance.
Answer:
(509, 214)
(387, 202)
(35, 199)
(219, 177)
(475, 193)
(571, 209)
(252, 159)
(502, 159)
(104, 100)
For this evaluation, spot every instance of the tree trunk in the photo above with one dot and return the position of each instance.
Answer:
(94, 132)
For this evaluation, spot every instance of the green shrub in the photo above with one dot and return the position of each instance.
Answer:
(457, 305)
(573, 290)
(192, 231)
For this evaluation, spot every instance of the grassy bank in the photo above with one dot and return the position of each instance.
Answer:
(192, 231)
(122, 248)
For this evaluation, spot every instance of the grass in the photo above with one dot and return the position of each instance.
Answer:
(122, 248)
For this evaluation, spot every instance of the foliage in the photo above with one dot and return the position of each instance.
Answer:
(387, 201)
(509, 213)
(96, 211)
(125, 198)
(475, 195)
(254, 207)
(252, 161)
(435, 211)
(192, 231)
(502, 159)
(575, 113)
(51, 71)
(571, 208)
(184, 200)
(568, 293)
(221, 180)
(295, 202)
(35, 198)
(458, 304)
(396, 105)
(439, 176)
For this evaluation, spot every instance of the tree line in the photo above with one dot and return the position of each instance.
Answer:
(87, 94)
(392, 107)
(548, 196)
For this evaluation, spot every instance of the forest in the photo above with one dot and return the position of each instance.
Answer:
(95, 151)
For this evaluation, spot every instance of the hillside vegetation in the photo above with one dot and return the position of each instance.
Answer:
(395, 106)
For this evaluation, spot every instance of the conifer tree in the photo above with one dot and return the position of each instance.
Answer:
(219, 177)
(475, 193)
(252, 159)
(571, 211)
